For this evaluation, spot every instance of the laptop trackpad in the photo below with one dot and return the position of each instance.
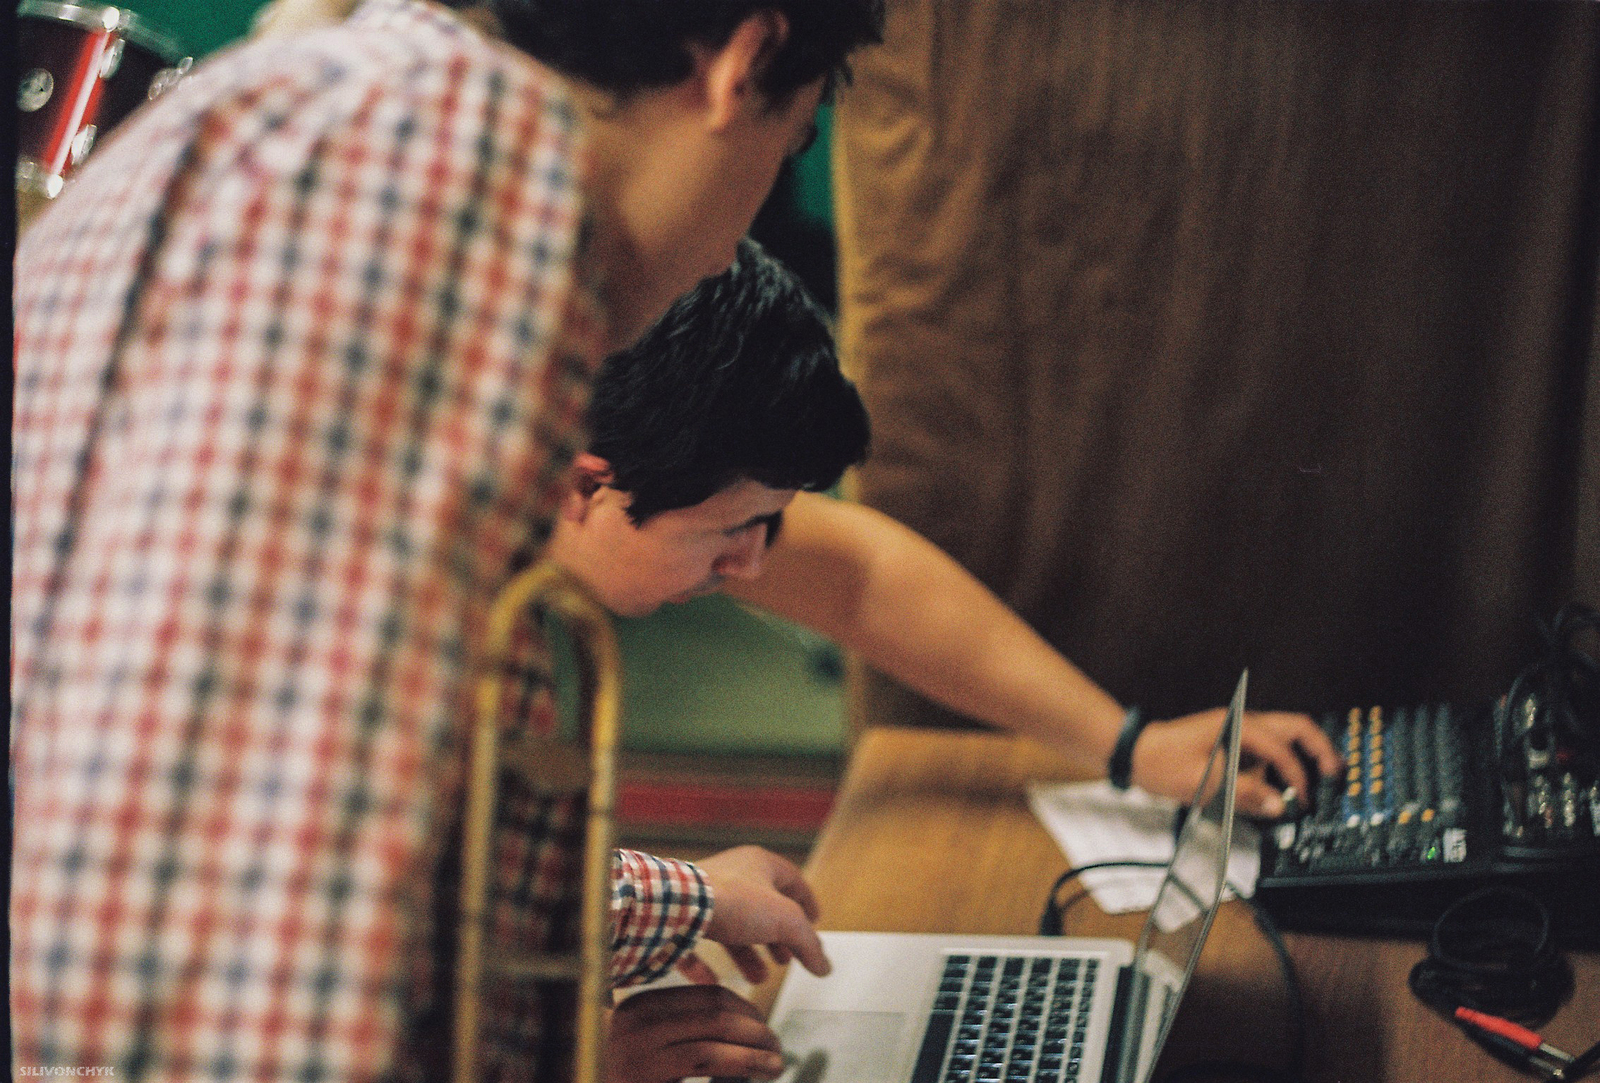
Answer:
(841, 1047)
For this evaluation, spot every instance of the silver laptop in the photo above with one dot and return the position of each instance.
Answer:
(914, 1008)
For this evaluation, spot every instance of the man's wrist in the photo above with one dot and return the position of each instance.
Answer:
(1119, 768)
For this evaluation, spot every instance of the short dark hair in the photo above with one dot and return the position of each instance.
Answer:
(739, 379)
(624, 46)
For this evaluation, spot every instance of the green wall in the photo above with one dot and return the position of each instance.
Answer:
(199, 28)
(711, 677)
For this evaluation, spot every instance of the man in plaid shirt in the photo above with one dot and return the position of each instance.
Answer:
(300, 357)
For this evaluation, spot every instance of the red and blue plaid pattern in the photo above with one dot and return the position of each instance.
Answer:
(301, 358)
(660, 908)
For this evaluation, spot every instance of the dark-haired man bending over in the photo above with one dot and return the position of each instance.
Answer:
(711, 439)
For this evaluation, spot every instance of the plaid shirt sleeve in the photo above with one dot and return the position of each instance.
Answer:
(660, 907)
(301, 358)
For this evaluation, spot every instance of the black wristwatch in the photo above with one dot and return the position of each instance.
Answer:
(1120, 767)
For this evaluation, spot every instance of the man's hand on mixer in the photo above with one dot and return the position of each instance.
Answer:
(1169, 757)
(761, 899)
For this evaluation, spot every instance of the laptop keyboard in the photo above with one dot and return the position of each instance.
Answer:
(1007, 1019)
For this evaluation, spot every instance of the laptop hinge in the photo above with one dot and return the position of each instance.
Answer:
(1123, 1008)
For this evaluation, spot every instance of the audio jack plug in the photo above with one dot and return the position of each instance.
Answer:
(1558, 1066)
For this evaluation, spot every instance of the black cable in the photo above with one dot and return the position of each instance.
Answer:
(1052, 921)
(1583, 1063)
(1493, 951)
(1563, 684)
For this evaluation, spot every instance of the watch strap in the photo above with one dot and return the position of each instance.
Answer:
(1119, 769)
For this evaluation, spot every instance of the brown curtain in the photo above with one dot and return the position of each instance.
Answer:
(1213, 335)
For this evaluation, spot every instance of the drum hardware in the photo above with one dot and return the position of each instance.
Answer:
(85, 68)
(586, 766)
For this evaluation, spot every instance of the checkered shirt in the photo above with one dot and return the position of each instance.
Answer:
(301, 356)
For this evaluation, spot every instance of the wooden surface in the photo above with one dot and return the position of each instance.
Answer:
(932, 833)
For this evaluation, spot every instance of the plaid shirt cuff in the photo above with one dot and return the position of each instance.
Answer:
(659, 908)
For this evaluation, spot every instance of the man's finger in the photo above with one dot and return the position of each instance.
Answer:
(698, 1003)
(1302, 731)
(806, 946)
(711, 1058)
(788, 879)
(1275, 750)
(668, 1034)
(1315, 743)
(728, 1027)
(749, 962)
(1255, 798)
(694, 968)
(793, 932)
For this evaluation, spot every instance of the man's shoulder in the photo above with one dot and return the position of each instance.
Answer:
(414, 57)
(396, 74)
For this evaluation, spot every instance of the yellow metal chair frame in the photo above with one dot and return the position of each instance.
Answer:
(554, 767)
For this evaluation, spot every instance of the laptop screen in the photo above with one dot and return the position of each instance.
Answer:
(1176, 930)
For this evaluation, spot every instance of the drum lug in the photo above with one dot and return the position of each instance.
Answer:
(34, 93)
(166, 78)
(112, 58)
(83, 143)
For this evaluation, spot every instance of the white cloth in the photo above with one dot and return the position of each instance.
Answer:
(1092, 822)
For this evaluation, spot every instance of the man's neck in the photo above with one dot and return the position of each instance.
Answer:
(628, 146)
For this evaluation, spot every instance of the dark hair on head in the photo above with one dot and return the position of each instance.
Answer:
(739, 379)
(624, 46)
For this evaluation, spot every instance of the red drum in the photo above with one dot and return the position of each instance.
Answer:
(84, 68)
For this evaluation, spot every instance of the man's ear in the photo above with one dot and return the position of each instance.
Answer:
(730, 72)
(586, 476)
